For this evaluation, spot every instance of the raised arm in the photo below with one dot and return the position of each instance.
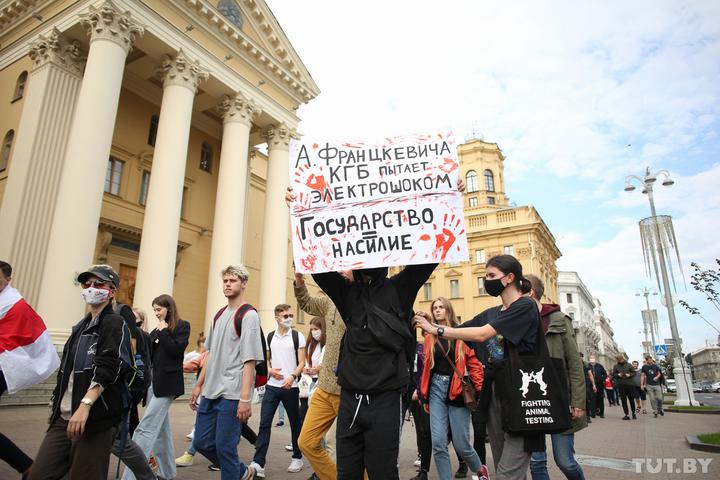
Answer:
(315, 306)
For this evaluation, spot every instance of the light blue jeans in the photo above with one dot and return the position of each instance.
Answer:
(153, 435)
(564, 453)
(442, 417)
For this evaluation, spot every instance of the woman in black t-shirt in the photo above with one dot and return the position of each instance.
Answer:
(517, 322)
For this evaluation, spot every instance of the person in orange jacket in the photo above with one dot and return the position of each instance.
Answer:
(447, 364)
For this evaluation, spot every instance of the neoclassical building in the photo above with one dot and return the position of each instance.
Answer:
(152, 136)
(493, 227)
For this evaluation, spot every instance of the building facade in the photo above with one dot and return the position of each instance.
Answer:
(706, 363)
(576, 301)
(607, 349)
(152, 136)
(493, 227)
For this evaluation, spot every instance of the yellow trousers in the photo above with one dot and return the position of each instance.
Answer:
(321, 415)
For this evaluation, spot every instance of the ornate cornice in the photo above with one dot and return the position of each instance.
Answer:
(180, 70)
(238, 109)
(55, 49)
(108, 22)
(279, 136)
(287, 68)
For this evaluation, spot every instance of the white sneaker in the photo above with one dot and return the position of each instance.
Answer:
(289, 447)
(296, 464)
(190, 435)
(259, 471)
(417, 462)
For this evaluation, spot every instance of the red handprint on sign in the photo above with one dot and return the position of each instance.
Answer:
(445, 239)
(314, 178)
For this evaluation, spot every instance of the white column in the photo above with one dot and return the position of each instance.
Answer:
(227, 238)
(77, 211)
(29, 199)
(274, 257)
(161, 225)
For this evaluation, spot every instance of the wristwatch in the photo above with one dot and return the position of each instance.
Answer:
(440, 331)
(87, 402)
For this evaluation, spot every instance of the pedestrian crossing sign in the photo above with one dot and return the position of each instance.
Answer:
(661, 349)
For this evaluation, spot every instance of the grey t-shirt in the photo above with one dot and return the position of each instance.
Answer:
(228, 354)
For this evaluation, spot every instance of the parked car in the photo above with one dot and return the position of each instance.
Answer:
(700, 386)
(715, 387)
(670, 385)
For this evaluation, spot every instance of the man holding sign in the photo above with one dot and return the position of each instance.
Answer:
(367, 207)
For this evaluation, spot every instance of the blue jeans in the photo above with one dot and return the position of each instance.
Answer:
(442, 417)
(217, 434)
(153, 434)
(564, 453)
(272, 398)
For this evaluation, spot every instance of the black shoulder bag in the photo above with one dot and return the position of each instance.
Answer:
(532, 390)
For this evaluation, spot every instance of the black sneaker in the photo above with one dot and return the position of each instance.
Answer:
(421, 475)
(626, 417)
(634, 417)
(462, 471)
(213, 467)
(662, 413)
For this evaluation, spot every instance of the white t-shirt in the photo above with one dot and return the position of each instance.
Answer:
(282, 356)
(317, 357)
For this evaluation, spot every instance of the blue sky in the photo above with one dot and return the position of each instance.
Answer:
(577, 94)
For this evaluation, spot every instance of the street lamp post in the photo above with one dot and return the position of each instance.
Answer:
(682, 375)
(648, 319)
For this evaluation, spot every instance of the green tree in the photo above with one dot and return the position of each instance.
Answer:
(706, 282)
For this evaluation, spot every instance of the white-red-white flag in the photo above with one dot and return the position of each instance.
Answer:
(27, 354)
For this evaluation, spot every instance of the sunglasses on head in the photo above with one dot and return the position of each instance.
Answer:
(95, 283)
(287, 315)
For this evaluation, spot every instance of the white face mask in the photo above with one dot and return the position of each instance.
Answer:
(316, 334)
(95, 296)
(286, 322)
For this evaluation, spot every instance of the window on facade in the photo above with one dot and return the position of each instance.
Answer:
(509, 250)
(206, 157)
(480, 256)
(427, 291)
(489, 181)
(183, 205)
(491, 200)
(20, 86)
(152, 131)
(572, 315)
(113, 176)
(569, 297)
(481, 286)
(144, 185)
(472, 202)
(454, 288)
(6, 149)
(471, 181)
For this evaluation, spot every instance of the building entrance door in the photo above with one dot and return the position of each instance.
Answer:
(126, 293)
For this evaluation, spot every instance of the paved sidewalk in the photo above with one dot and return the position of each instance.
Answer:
(607, 442)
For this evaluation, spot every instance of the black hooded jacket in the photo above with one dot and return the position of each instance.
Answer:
(379, 342)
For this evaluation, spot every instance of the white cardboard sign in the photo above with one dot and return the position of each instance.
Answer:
(363, 205)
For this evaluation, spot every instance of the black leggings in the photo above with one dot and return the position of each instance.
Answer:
(9, 452)
(422, 434)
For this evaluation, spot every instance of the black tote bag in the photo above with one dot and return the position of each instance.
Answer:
(533, 391)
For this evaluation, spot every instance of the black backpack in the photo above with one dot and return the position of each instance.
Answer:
(261, 368)
(140, 377)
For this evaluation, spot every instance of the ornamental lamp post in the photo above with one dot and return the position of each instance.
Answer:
(658, 237)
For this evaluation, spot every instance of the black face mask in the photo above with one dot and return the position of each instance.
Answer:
(495, 286)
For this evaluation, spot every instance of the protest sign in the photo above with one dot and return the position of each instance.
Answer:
(364, 205)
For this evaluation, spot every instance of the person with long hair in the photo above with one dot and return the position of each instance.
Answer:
(168, 342)
(516, 321)
(313, 358)
(441, 390)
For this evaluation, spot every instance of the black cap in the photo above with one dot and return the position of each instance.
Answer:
(103, 272)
